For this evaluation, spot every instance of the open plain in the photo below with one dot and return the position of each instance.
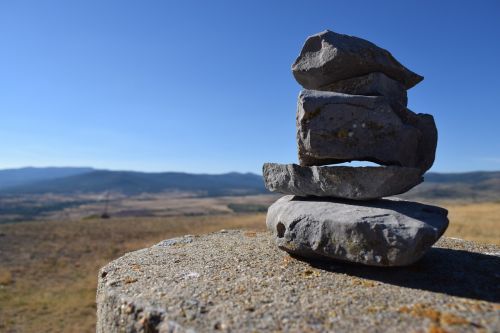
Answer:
(48, 268)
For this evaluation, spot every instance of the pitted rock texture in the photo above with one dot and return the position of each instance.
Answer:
(236, 281)
(328, 57)
(358, 183)
(334, 128)
(384, 232)
(373, 84)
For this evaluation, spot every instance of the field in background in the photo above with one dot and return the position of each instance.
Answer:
(474, 221)
(48, 269)
(58, 207)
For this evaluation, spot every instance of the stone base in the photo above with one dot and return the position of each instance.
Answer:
(239, 282)
(386, 232)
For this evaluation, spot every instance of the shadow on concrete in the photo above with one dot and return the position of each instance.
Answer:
(453, 272)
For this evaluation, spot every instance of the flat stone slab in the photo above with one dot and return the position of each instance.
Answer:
(357, 183)
(386, 232)
(334, 128)
(373, 84)
(328, 57)
(237, 281)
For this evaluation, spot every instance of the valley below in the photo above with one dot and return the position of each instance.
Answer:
(59, 226)
(48, 266)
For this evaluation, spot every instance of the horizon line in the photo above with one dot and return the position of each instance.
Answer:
(207, 173)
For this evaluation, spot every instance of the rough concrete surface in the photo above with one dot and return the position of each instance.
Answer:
(237, 281)
(357, 183)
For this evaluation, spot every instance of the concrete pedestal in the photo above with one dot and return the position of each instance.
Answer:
(236, 281)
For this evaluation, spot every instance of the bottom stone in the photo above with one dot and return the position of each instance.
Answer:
(386, 232)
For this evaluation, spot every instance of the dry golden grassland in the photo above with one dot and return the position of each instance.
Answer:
(474, 221)
(48, 270)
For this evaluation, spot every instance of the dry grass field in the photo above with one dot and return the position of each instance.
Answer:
(474, 221)
(48, 269)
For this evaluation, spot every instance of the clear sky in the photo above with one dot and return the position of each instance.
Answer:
(206, 86)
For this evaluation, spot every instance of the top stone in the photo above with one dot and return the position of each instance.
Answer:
(328, 57)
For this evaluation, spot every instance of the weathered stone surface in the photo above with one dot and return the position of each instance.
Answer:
(238, 282)
(334, 128)
(373, 84)
(358, 183)
(328, 57)
(386, 232)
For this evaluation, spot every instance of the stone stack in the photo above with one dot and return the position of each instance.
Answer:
(354, 108)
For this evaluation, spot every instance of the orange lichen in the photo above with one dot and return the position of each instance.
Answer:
(286, 261)
(309, 274)
(364, 283)
(451, 319)
(439, 318)
(129, 279)
(135, 267)
(433, 328)
(250, 234)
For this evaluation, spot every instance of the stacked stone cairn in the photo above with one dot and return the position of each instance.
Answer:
(354, 108)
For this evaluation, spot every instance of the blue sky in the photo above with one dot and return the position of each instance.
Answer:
(206, 86)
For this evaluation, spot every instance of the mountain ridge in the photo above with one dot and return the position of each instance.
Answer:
(135, 182)
(25, 175)
(475, 185)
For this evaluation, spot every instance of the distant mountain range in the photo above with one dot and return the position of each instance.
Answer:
(467, 186)
(475, 186)
(87, 180)
(24, 176)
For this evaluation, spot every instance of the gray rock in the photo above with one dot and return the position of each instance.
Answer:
(334, 128)
(378, 233)
(176, 241)
(328, 57)
(358, 183)
(373, 84)
(239, 282)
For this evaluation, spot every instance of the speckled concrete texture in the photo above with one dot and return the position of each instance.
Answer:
(237, 281)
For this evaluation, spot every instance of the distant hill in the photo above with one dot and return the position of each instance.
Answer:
(23, 176)
(131, 183)
(437, 186)
(476, 186)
